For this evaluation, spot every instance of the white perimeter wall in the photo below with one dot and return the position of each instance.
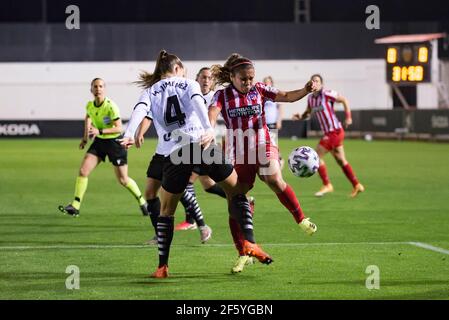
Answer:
(61, 90)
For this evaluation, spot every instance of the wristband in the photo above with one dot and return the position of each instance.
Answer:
(101, 131)
(348, 115)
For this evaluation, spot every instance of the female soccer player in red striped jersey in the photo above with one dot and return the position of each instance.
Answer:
(321, 103)
(241, 103)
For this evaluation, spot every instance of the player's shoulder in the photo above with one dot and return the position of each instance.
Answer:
(330, 93)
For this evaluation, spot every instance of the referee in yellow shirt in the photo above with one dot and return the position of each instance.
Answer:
(103, 123)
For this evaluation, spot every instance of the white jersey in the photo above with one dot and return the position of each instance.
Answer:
(178, 111)
(271, 111)
(208, 97)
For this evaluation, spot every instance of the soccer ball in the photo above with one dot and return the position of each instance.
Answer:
(303, 162)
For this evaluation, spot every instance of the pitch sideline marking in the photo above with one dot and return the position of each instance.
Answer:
(429, 247)
(416, 244)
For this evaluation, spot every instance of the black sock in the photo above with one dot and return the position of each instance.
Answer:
(164, 238)
(192, 208)
(154, 208)
(241, 211)
(216, 189)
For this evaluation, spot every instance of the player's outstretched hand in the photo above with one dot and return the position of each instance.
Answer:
(348, 122)
(126, 142)
(139, 141)
(207, 138)
(83, 144)
(310, 86)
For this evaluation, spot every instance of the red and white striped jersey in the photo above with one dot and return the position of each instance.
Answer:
(322, 105)
(244, 116)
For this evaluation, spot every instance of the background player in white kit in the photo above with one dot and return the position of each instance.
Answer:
(273, 115)
(177, 108)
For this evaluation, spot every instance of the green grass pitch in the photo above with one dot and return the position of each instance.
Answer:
(406, 200)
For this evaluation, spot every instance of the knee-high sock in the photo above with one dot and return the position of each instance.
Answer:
(135, 191)
(240, 211)
(191, 189)
(216, 189)
(236, 232)
(192, 208)
(347, 169)
(154, 208)
(237, 235)
(289, 200)
(164, 238)
(322, 170)
(80, 190)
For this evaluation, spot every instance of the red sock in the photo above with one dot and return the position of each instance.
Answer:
(237, 235)
(322, 170)
(289, 200)
(347, 169)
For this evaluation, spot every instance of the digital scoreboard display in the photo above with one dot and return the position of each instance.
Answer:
(408, 63)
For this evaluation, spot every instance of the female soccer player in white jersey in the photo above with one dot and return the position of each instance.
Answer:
(194, 215)
(103, 123)
(321, 104)
(248, 142)
(176, 106)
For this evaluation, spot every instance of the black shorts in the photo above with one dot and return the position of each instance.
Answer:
(155, 167)
(201, 171)
(175, 177)
(101, 148)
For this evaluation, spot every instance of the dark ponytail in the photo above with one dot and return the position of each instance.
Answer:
(165, 63)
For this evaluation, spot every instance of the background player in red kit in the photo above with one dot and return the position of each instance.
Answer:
(241, 104)
(321, 103)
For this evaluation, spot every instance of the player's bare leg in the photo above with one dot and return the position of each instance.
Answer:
(88, 164)
(121, 172)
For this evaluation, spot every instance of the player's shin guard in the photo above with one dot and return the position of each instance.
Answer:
(192, 207)
(154, 208)
(164, 238)
(241, 212)
(289, 200)
(216, 189)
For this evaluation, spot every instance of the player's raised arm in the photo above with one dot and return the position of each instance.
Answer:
(140, 111)
(143, 128)
(295, 95)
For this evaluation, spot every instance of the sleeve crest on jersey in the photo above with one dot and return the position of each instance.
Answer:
(331, 94)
